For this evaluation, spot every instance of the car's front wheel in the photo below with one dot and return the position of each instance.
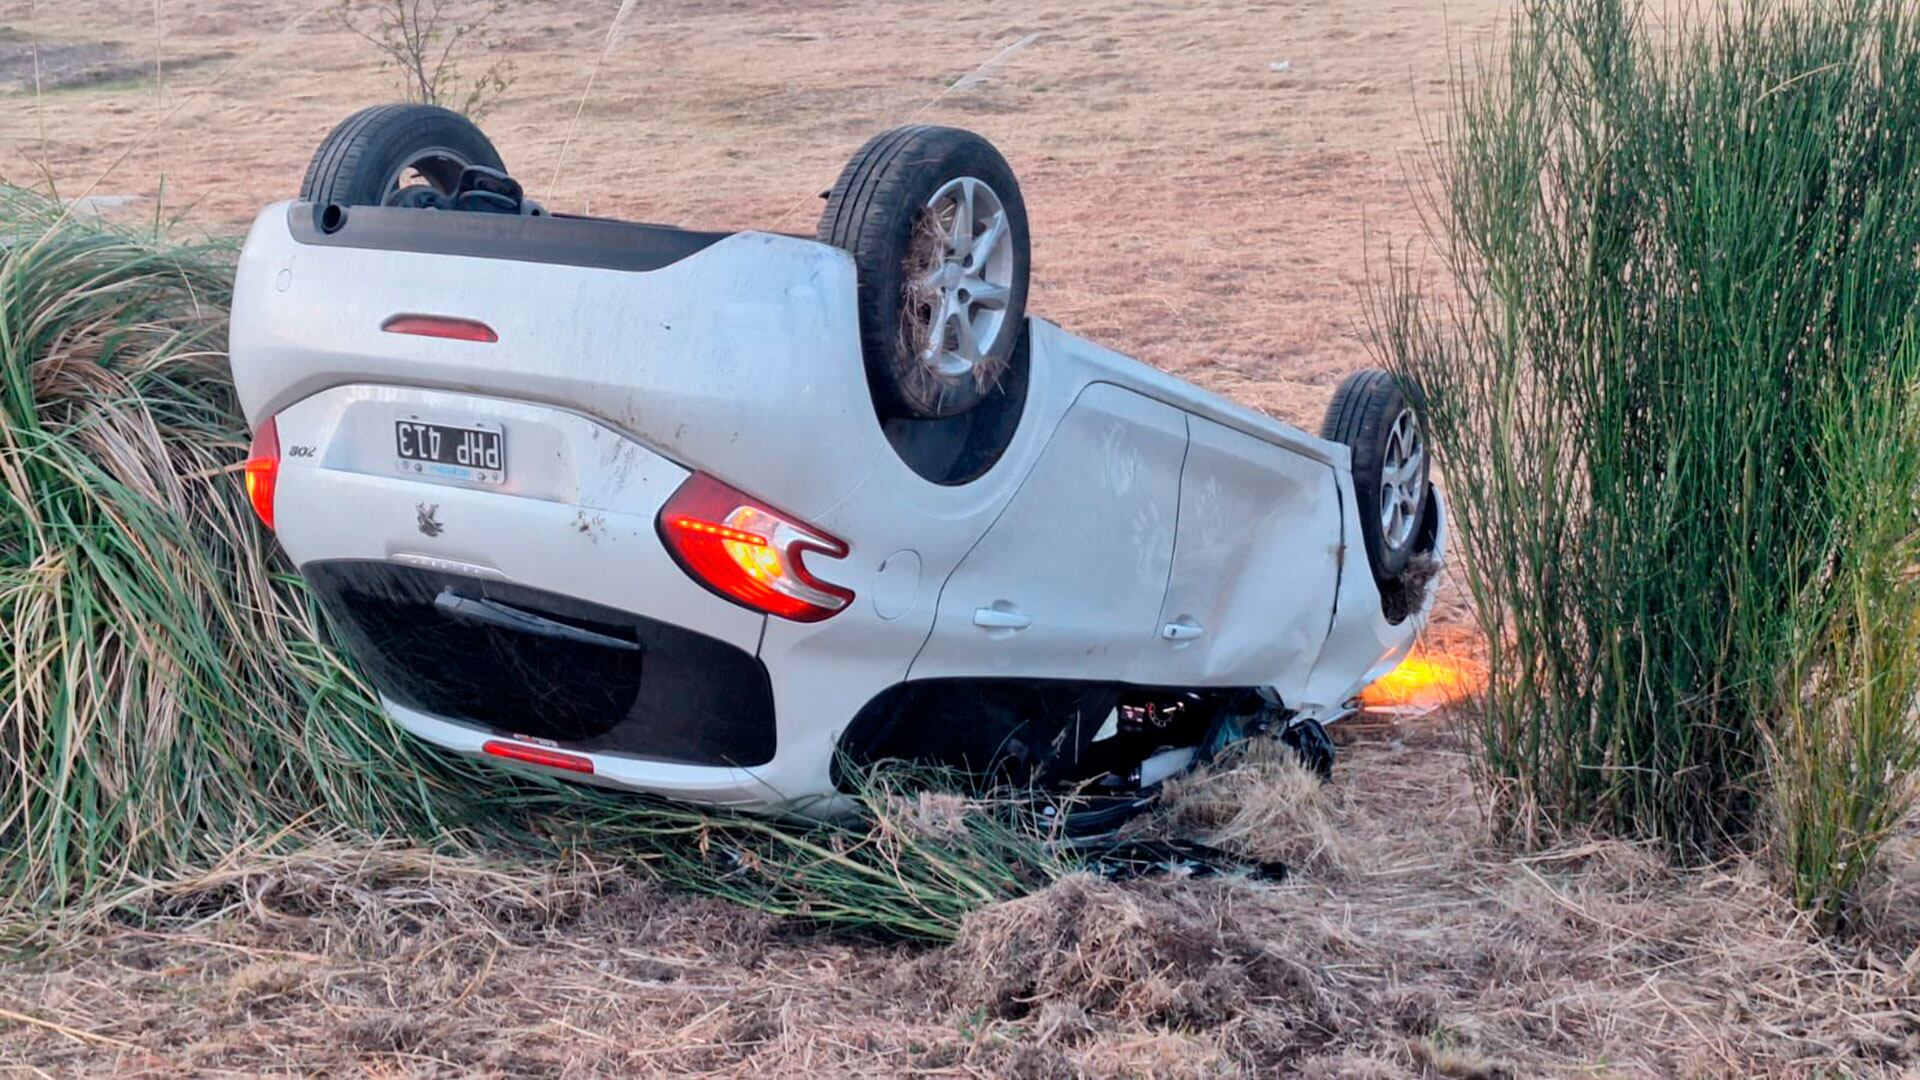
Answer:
(1375, 420)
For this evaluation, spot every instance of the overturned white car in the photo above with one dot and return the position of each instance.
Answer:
(708, 514)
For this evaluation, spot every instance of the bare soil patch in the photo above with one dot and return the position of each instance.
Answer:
(62, 65)
(1191, 205)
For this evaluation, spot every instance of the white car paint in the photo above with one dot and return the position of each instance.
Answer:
(1136, 528)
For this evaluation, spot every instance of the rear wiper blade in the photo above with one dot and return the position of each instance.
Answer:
(508, 617)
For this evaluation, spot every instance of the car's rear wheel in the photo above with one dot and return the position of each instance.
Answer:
(938, 230)
(385, 154)
(1390, 466)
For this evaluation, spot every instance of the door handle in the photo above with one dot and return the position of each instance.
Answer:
(1182, 630)
(1001, 616)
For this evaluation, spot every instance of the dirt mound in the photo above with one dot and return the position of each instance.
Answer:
(1162, 953)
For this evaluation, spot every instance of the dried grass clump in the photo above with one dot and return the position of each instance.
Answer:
(1154, 953)
(931, 815)
(920, 298)
(1714, 968)
(343, 894)
(922, 303)
(1259, 803)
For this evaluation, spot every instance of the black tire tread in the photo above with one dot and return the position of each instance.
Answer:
(338, 142)
(341, 156)
(1348, 408)
(881, 175)
(863, 176)
(1355, 418)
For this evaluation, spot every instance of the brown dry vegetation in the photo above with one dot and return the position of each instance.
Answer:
(1192, 206)
(1407, 947)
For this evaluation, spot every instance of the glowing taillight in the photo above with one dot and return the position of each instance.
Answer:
(440, 326)
(749, 552)
(538, 755)
(263, 470)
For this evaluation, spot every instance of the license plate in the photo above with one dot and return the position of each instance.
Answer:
(473, 453)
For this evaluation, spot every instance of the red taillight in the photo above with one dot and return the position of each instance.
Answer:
(440, 326)
(749, 552)
(263, 468)
(538, 755)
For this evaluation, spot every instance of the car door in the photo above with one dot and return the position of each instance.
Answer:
(1255, 567)
(1068, 582)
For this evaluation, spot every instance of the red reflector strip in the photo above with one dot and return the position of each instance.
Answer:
(441, 327)
(710, 529)
(538, 755)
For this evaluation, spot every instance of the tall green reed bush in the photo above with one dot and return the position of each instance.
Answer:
(1843, 755)
(169, 696)
(1681, 278)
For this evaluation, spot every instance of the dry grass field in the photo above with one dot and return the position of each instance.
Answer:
(1207, 182)
(1405, 946)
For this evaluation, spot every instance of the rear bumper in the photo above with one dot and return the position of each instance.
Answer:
(754, 789)
(553, 670)
(394, 556)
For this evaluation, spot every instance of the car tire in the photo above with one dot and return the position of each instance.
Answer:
(375, 153)
(1390, 466)
(931, 290)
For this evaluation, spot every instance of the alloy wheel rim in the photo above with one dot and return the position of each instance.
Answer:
(1403, 480)
(965, 281)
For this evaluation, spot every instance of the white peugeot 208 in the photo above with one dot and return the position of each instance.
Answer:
(711, 514)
